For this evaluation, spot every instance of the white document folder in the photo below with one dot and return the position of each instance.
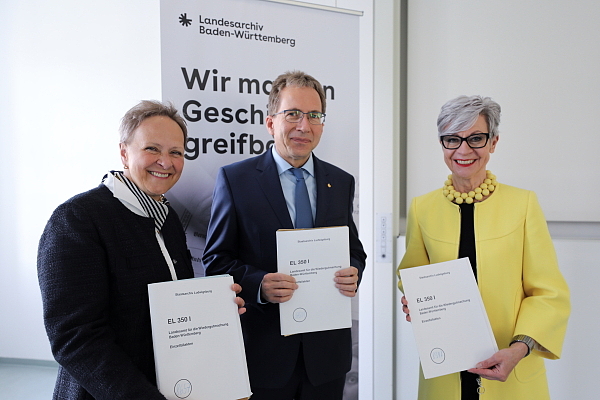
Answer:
(451, 326)
(197, 337)
(313, 256)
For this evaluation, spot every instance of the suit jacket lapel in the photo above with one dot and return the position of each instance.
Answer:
(268, 179)
(323, 191)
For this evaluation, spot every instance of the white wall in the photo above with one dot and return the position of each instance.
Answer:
(68, 72)
(538, 60)
(575, 375)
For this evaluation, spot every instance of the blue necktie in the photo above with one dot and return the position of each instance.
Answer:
(304, 217)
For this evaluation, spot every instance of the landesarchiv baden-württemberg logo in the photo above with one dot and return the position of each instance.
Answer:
(235, 29)
(184, 20)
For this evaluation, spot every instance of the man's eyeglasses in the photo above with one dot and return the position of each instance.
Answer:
(295, 116)
(475, 141)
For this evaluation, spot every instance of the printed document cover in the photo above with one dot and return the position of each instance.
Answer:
(312, 256)
(451, 326)
(197, 336)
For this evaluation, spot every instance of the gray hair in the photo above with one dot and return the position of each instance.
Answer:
(295, 79)
(144, 110)
(461, 113)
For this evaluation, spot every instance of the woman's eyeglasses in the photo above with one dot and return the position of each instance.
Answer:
(475, 141)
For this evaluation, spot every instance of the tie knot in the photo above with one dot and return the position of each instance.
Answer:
(304, 217)
(297, 173)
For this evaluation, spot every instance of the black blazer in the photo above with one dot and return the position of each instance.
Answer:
(248, 208)
(95, 260)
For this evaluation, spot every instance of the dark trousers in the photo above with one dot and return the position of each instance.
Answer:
(469, 386)
(300, 388)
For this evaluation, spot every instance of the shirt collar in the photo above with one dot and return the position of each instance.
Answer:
(283, 165)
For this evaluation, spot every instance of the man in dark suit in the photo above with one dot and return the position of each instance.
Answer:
(252, 200)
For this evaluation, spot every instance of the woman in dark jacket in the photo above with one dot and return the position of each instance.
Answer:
(99, 252)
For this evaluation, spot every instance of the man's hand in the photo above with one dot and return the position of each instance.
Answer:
(277, 287)
(499, 366)
(346, 280)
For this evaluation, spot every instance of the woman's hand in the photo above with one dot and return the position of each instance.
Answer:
(405, 309)
(238, 300)
(499, 366)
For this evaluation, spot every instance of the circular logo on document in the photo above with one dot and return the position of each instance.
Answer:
(299, 314)
(183, 388)
(437, 355)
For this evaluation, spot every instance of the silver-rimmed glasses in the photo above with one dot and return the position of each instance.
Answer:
(295, 116)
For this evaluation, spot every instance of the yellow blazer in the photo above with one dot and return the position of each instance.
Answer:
(517, 273)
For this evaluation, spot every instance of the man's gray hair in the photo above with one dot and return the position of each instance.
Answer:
(294, 79)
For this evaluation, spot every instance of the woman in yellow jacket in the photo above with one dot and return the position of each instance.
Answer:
(503, 232)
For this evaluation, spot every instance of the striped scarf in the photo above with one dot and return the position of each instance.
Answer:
(157, 210)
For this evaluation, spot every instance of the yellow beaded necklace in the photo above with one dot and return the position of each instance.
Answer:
(489, 185)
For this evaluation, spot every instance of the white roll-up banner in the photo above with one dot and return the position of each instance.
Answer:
(219, 58)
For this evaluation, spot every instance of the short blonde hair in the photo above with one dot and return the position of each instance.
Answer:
(146, 109)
